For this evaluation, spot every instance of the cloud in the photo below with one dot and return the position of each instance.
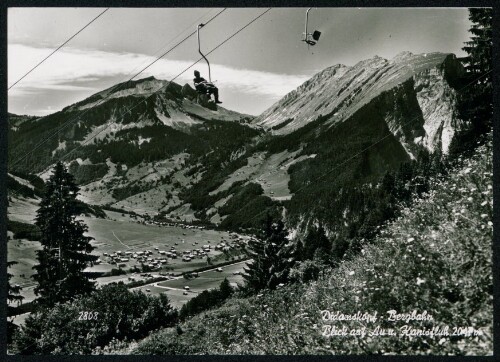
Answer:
(73, 69)
(44, 112)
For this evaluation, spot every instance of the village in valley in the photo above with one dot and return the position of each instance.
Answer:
(154, 256)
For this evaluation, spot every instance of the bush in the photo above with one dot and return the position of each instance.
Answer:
(87, 210)
(119, 314)
(305, 271)
(206, 300)
(115, 272)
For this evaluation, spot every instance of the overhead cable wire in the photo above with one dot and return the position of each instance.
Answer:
(110, 92)
(57, 49)
(171, 80)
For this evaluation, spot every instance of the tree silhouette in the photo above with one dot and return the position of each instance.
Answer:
(65, 249)
(476, 100)
(479, 59)
(317, 243)
(272, 258)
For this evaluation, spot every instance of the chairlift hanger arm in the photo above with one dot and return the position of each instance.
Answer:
(307, 21)
(203, 55)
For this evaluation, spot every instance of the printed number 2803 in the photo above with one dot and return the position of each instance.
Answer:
(88, 316)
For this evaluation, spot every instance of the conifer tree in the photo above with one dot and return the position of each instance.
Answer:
(13, 295)
(317, 243)
(65, 249)
(479, 59)
(225, 289)
(272, 258)
(13, 291)
(476, 99)
(299, 252)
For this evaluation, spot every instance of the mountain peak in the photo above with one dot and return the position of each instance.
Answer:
(403, 55)
(374, 62)
(139, 87)
(147, 78)
(335, 94)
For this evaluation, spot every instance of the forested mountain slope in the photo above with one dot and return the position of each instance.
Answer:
(433, 258)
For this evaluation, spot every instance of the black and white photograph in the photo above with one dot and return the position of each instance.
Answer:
(249, 180)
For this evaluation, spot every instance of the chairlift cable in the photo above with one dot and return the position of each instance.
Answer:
(113, 89)
(171, 80)
(60, 46)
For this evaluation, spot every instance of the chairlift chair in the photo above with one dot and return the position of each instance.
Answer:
(310, 38)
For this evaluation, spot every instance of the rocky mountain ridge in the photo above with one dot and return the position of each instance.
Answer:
(417, 93)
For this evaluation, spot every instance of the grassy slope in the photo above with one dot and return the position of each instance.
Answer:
(435, 257)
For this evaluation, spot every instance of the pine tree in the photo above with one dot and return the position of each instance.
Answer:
(225, 289)
(476, 100)
(299, 251)
(65, 250)
(13, 291)
(13, 296)
(272, 258)
(479, 59)
(255, 275)
(317, 243)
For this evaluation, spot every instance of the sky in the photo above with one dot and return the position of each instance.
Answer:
(252, 70)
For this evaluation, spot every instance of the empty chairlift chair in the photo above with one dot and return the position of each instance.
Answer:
(310, 38)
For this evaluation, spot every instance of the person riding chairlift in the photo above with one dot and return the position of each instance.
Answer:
(202, 86)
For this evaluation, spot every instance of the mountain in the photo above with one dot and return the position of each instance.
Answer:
(173, 105)
(329, 143)
(121, 112)
(316, 156)
(420, 87)
(129, 139)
